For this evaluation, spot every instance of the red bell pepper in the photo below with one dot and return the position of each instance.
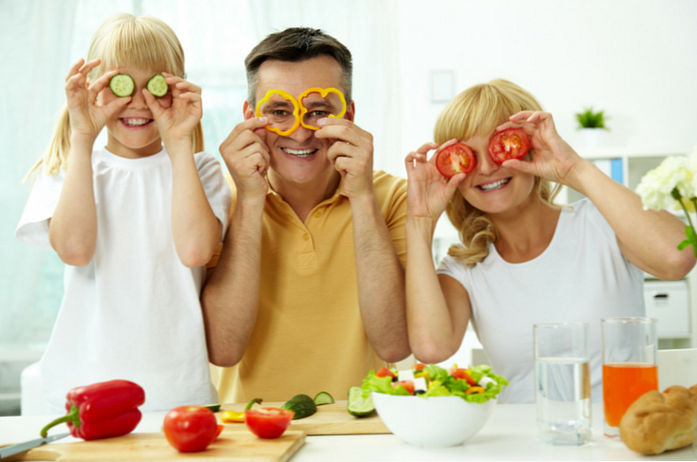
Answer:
(102, 410)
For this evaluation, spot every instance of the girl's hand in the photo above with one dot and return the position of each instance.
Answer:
(177, 122)
(554, 159)
(87, 118)
(428, 192)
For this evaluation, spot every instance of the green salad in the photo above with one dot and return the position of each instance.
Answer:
(431, 380)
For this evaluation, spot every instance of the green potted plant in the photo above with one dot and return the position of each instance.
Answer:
(590, 124)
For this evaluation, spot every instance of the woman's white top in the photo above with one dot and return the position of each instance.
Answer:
(580, 277)
(133, 312)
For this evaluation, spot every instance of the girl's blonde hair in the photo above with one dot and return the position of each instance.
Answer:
(477, 111)
(123, 40)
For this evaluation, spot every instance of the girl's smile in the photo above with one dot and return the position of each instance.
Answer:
(136, 123)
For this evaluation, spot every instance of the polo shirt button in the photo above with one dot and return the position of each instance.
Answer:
(318, 214)
(306, 236)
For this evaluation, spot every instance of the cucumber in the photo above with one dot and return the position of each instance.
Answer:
(157, 85)
(323, 398)
(122, 85)
(357, 405)
(302, 405)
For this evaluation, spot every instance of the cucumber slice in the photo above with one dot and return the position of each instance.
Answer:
(122, 85)
(323, 398)
(213, 407)
(157, 85)
(357, 405)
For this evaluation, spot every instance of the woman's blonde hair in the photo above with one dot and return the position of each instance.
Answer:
(123, 40)
(477, 111)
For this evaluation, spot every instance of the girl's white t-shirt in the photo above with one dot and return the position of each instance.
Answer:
(581, 277)
(133, 312)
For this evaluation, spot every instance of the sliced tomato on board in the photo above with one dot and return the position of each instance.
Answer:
(454, 159)
(512, 143)
(384, 372)
(268, 422)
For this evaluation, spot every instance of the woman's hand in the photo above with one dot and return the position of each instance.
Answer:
(176, 123)
(554, 159)
(87, 118)
(428, 192)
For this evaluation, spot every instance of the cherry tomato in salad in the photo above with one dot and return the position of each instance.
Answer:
(408, 385)
(191, 428)
(268, 422)
(462, 374)
(418, 366)
(454, 159)
(384, 372)
(512, 143)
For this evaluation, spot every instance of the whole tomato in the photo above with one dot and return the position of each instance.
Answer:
(268, 422)
(190, 428)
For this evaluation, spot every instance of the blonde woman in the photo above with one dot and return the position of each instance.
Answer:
(523, 259)
(134, 222)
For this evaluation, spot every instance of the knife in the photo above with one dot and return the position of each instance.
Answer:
(17, 448)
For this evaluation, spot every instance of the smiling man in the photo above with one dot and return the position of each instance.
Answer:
(308, 292)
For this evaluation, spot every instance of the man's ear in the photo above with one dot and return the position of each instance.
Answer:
(248, 110)
(350, 111)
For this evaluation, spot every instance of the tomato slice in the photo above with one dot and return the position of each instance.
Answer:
(268, 422)
(408, 385)
(418, 366)
(384, 372)
(462, 374)
(512, 143)
(454, 159)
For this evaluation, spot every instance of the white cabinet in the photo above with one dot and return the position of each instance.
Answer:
(668, 301)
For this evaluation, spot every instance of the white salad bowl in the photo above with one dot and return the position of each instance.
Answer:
(437, 421)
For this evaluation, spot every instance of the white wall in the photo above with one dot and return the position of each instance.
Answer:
(637, 60)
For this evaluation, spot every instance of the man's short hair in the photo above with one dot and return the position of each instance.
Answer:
(297, 44)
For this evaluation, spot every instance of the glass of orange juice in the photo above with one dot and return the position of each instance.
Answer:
(630, 348)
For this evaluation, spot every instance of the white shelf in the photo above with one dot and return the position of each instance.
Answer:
(13, 354)
(625, 152)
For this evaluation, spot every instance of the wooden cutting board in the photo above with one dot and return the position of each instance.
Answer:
(330, 419)
(232, 446)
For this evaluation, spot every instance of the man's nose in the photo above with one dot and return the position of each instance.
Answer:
(301, 134)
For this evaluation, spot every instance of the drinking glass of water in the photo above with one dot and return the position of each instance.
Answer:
(562, 383)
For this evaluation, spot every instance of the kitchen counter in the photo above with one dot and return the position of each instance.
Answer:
(510, 434)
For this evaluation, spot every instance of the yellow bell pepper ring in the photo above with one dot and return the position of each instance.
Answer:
(323, 92)
(232, 417)
(472, 390)
(238, 417)
(287, 97)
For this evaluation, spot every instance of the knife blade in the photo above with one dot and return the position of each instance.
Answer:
(17, 448)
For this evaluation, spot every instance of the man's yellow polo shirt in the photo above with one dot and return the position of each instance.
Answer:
(309, 335)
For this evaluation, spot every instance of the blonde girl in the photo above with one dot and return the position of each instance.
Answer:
(135, 222)
(524, 260)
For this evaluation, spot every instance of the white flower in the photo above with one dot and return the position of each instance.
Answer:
(656, 186)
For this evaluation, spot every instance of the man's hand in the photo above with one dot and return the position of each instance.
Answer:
(247, 158)
(351, 154)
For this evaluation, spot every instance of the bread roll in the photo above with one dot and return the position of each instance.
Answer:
(658, 422)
